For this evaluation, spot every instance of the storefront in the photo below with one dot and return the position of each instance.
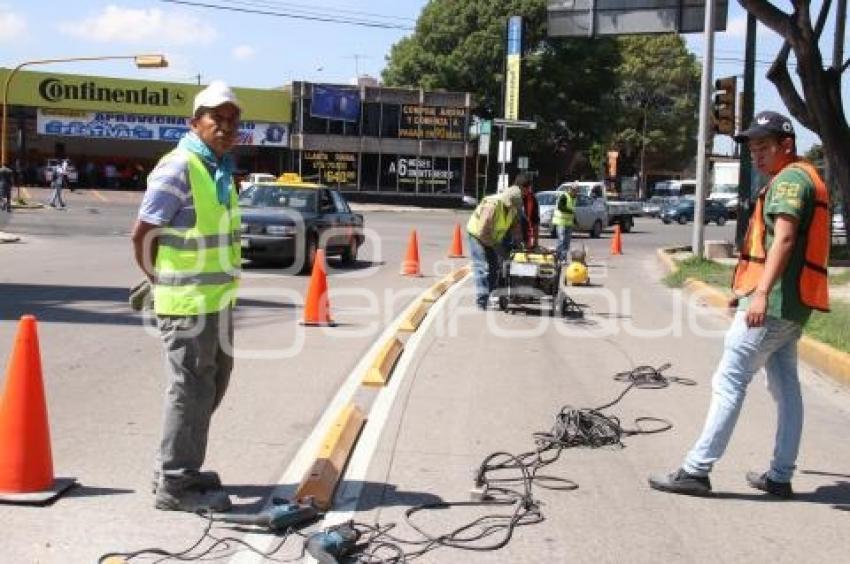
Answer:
(372, 140)
(114, 130)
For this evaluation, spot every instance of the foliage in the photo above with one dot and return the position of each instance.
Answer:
(708, 271)
(571, 87)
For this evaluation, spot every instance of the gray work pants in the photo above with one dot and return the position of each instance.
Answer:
(198, 363)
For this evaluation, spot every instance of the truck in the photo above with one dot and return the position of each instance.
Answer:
(724, 185)
(615, 212)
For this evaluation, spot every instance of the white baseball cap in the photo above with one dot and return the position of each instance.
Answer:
(214, 95)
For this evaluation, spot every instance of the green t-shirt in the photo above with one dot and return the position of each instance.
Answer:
(791, 193)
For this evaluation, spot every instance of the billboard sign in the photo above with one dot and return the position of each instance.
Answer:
(335, 103)
(137, 127)
(432, 122)
(512, 67)
(330, 168)
(589, 18)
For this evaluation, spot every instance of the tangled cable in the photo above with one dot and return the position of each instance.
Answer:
(502, 480)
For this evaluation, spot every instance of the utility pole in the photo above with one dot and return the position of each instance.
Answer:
(643, 192)
(357, 57)
(704, 125)
(745, 171)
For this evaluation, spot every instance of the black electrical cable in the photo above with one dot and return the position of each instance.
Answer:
(585, 427)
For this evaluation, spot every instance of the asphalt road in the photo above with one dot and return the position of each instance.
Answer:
(476, 383)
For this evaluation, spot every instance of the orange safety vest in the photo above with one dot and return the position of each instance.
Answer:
(813, 282)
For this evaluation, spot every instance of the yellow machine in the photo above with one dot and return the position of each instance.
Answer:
(576, 274)
(533, 278)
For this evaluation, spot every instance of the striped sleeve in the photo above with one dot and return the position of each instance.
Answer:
(167, 190)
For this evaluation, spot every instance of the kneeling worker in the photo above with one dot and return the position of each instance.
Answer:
(495, 217)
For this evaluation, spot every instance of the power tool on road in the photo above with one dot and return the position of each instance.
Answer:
(278, 517)
(334, 543)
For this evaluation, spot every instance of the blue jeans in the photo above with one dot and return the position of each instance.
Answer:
(485, 270)
(56, 199)
(564, 236)
(746, 350)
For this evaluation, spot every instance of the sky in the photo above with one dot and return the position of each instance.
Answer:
(265, 51)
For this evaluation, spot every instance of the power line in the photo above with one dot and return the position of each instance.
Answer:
(318, 10)
(296, 16)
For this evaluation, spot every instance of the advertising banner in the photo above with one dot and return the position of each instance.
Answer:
(512, 67)
(114, 95)
(330, 168)
(432, 122)
(439, 174)
(135, 127)
(335, 103)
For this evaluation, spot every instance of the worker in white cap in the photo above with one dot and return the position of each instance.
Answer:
(186, 241)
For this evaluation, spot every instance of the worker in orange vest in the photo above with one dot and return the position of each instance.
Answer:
(780, 278)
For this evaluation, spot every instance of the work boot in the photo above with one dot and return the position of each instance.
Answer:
(173, 496)
(208, 480)
(680, 482)
(765, 484)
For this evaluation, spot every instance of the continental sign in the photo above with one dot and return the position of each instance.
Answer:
(100, 94)
(432, 122)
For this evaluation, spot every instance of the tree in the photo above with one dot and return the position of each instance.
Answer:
(663, 99)
(566, 86)
(818, 107)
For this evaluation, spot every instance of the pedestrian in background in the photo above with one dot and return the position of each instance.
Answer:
(530, 214)
(58, 183)
(563, 219)
(186, 241)
(495, 218)
(6, 182)
(780, 278)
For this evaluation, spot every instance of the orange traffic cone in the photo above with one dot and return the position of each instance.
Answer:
(456, 250)
(26, 463)
(317, 309)
(410, 266)
(617, 241)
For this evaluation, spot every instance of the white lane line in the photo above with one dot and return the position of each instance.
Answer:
(303, 459)
(355, 476)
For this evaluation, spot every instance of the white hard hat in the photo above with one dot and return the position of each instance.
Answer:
(512, 196)
(214, 95)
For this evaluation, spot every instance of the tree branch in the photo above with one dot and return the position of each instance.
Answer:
(781, 78)
(771, 16)
(821, 23)
(844, 66)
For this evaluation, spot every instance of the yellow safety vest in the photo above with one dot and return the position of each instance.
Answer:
(502, 221)
(564, 219)
(197, 268)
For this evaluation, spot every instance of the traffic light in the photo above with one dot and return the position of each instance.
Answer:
(725, 93)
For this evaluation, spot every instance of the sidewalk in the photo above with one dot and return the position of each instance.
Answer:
(462, 401)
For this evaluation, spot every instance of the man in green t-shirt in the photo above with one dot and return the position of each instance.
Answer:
(767, 324)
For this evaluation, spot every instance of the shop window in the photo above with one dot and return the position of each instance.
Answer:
(371, 120)
(335, 126)
(390, 116)
(369, 171)
(389, 173)
(352, 129)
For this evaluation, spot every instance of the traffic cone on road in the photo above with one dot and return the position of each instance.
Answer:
(26, 463)
(317, 307)
(410, 266)
(617, 241)
(456, 250)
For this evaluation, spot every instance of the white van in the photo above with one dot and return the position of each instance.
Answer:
(675, 188)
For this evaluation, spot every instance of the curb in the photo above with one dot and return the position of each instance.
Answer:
(828, 360)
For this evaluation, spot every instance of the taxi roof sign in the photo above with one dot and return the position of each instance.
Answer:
(290, 178)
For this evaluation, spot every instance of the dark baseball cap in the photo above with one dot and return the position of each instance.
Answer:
(767, 124)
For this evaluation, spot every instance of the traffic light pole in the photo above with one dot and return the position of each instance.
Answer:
(745, 174)
(704, 125)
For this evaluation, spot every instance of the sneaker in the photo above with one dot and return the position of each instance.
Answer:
(765, 484)
(199, 480)
(680, 482)
(191, 500)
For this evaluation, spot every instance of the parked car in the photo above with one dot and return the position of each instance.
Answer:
(49, 168)
(683, 212)
(255, 178)
(289, 220)
(622, 212)
(590, 214)
(839, 230)
(656, 204)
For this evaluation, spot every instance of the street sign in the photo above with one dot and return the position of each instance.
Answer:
(591, 18)
(485, 127)
(484, 144)
(522, 163)
(505, 149)
(515, 123)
